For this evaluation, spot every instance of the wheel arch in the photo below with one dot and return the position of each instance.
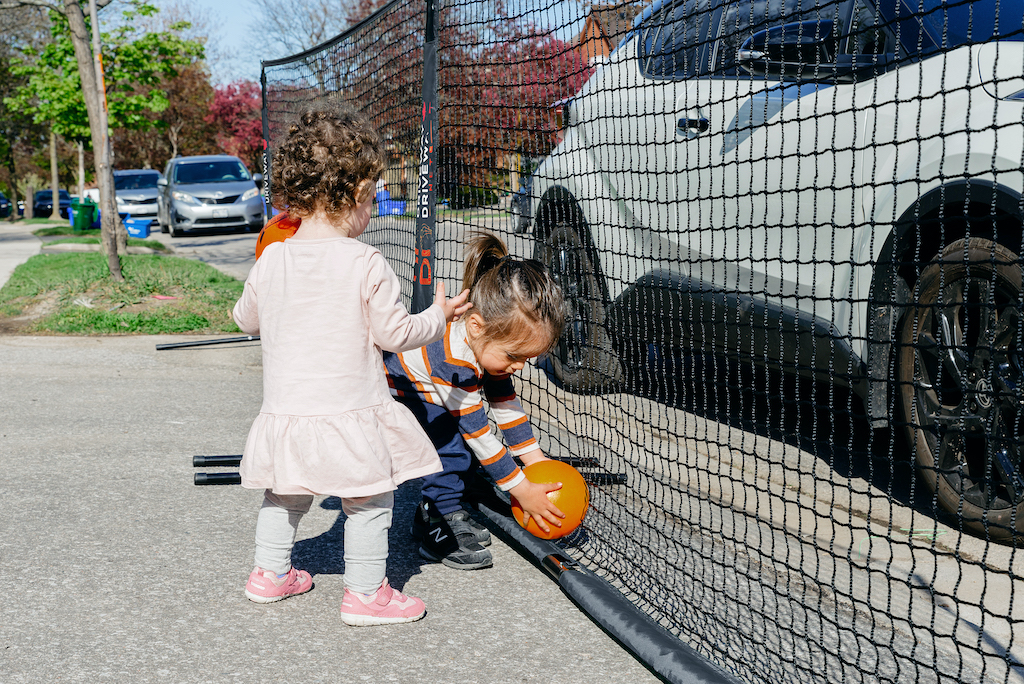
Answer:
(976, 207)
(560, 204)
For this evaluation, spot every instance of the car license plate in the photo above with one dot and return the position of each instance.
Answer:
(220, 213)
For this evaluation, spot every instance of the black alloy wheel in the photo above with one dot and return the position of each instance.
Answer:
(961, 383)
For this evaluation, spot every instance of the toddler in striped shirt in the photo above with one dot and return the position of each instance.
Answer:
(517, 315)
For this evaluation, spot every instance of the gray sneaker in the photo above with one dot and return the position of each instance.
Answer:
(436, 533)
(460, 521)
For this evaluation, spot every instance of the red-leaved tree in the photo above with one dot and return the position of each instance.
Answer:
(235, 112)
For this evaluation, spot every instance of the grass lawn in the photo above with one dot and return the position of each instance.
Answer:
(95, 240)
(62, 229)
(72, 294)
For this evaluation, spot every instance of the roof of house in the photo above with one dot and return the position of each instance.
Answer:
(616, 19)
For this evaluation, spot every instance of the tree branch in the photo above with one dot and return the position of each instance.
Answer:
(55, 6)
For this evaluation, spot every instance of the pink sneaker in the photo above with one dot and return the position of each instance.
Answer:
(384, 607)
(265, 586)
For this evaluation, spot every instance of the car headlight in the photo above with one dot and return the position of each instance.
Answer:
(184, 197)
(249, 194)
(118, 199)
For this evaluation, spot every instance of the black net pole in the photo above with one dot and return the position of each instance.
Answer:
(426, 193)
(267, 209)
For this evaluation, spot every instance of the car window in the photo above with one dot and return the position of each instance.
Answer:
(952, 24)
(135, 181)
(673, 39)
(741, 20)
(46, 195)
(210, 172)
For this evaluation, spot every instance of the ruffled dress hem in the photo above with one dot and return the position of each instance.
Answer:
(351, 454)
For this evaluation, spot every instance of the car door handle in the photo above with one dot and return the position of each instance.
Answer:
(691, 127)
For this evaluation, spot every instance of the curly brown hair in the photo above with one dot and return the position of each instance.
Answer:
(324, 161)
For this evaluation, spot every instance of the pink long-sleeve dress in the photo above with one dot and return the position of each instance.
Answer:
(324, 310)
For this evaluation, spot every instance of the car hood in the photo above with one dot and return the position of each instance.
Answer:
(137, 194)
(216, 190)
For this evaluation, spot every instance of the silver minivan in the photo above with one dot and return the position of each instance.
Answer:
(209, 192)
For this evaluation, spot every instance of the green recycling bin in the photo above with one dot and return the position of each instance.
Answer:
(84, 212)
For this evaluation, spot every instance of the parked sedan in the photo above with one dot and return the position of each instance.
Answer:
(42, 204)
(208, 192)
(136, 192)
(5, 206)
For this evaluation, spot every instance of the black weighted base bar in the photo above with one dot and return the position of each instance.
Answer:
(203, 343)
(226, 461)
(663, 653)
(218, 479)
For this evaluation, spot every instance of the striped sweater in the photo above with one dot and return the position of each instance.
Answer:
(446, 373)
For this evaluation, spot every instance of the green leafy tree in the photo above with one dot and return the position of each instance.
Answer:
(135, 62)
(182, 127)
(135, 65)
(20, 136)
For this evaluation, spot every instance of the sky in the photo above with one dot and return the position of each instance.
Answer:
(231, 25)
(237, 53)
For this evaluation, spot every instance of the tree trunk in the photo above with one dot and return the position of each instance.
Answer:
(81, 170)
(13, 170)
(54, 178)
(172, 135)
(91, 93)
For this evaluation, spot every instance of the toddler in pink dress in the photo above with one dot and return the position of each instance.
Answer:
(325, 305)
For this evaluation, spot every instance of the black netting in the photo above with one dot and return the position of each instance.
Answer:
(790, 235)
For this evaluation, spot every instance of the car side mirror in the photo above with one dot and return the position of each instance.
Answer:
(804, 51)
(161, 182)
(257, 178)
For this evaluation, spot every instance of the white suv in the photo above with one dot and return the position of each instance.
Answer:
(833, 188)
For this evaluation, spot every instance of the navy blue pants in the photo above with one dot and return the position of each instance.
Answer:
(446, 488)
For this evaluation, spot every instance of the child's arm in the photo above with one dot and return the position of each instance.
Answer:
(246, 313)
(393, 328)
(515, 426)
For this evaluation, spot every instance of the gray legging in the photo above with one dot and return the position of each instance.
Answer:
(366, 536)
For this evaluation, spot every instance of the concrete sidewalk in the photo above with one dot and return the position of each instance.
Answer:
(114, 567)
(17, 244)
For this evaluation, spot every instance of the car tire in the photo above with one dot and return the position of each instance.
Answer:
(583, 358)
(961, 385)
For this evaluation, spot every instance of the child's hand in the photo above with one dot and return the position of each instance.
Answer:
(533, 499)
(454, 307)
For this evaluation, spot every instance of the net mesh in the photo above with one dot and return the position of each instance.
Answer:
(789, 235)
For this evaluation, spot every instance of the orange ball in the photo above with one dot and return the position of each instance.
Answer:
(573, 498)
(278, 229)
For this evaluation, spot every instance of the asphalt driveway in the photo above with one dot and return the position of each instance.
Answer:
(114, 567)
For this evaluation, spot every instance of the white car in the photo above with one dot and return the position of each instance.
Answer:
(135, 191)
(828, 188)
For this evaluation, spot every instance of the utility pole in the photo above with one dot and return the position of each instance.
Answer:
(108, 207)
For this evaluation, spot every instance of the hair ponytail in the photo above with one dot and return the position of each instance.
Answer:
(512, 295)
(484, 251)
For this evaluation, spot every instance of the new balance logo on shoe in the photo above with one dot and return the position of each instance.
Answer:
(438, 534)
